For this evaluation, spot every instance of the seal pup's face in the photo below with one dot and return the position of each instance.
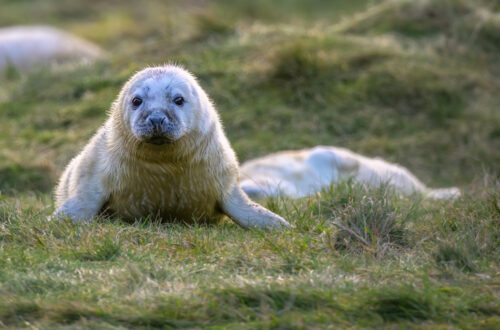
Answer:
(161, 105)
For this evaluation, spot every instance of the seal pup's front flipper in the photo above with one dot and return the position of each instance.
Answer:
(246, 213)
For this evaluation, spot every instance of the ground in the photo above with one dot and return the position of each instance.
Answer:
(414, 82)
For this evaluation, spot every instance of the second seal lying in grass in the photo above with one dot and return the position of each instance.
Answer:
(162, 152)
(304, 172)
(26, 47)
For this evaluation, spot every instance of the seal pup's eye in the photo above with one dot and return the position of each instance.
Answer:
(179, 100)
(136, 101)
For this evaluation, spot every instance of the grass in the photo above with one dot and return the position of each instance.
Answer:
(150, 274)
(371, 223)
(411, 81)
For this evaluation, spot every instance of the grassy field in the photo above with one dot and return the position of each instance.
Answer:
(415, 82)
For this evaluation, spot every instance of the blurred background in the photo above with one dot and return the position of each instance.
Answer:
(414, 82)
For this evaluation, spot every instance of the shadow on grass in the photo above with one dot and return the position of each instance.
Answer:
(253, 305)
(399, 305)
(18, 178)
(216, 307)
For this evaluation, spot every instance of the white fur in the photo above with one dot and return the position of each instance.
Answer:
(304, 172)
(26, 46)
(192, 178)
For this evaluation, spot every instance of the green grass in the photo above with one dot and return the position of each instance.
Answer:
(415, 82)
(150, 274)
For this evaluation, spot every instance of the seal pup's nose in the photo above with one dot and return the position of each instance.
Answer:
(156, 120)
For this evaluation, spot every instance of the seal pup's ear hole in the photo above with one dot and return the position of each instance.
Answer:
(136, 101)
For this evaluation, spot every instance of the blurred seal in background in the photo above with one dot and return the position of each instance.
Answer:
(26, 47)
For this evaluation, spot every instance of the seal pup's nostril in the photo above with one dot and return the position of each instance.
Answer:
(156, 120)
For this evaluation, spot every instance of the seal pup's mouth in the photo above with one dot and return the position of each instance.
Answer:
(158, 140)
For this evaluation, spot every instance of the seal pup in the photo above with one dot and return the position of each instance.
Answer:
(304, 172)
(162, 152)
(27, 47)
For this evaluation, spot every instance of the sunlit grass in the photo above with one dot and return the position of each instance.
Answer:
(413, 82)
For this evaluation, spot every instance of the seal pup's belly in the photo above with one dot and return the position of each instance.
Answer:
(167, 192)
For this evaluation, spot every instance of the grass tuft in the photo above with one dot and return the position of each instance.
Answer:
(464, 24)
(297, 63)
(450, 255)
(211, 26)
(370, 223)
(105, 250)
(403, 304)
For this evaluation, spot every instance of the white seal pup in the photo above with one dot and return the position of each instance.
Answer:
(304, 172)
(162, 152)
(24, 47)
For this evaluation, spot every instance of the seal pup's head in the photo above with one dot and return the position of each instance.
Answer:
(162, 105)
